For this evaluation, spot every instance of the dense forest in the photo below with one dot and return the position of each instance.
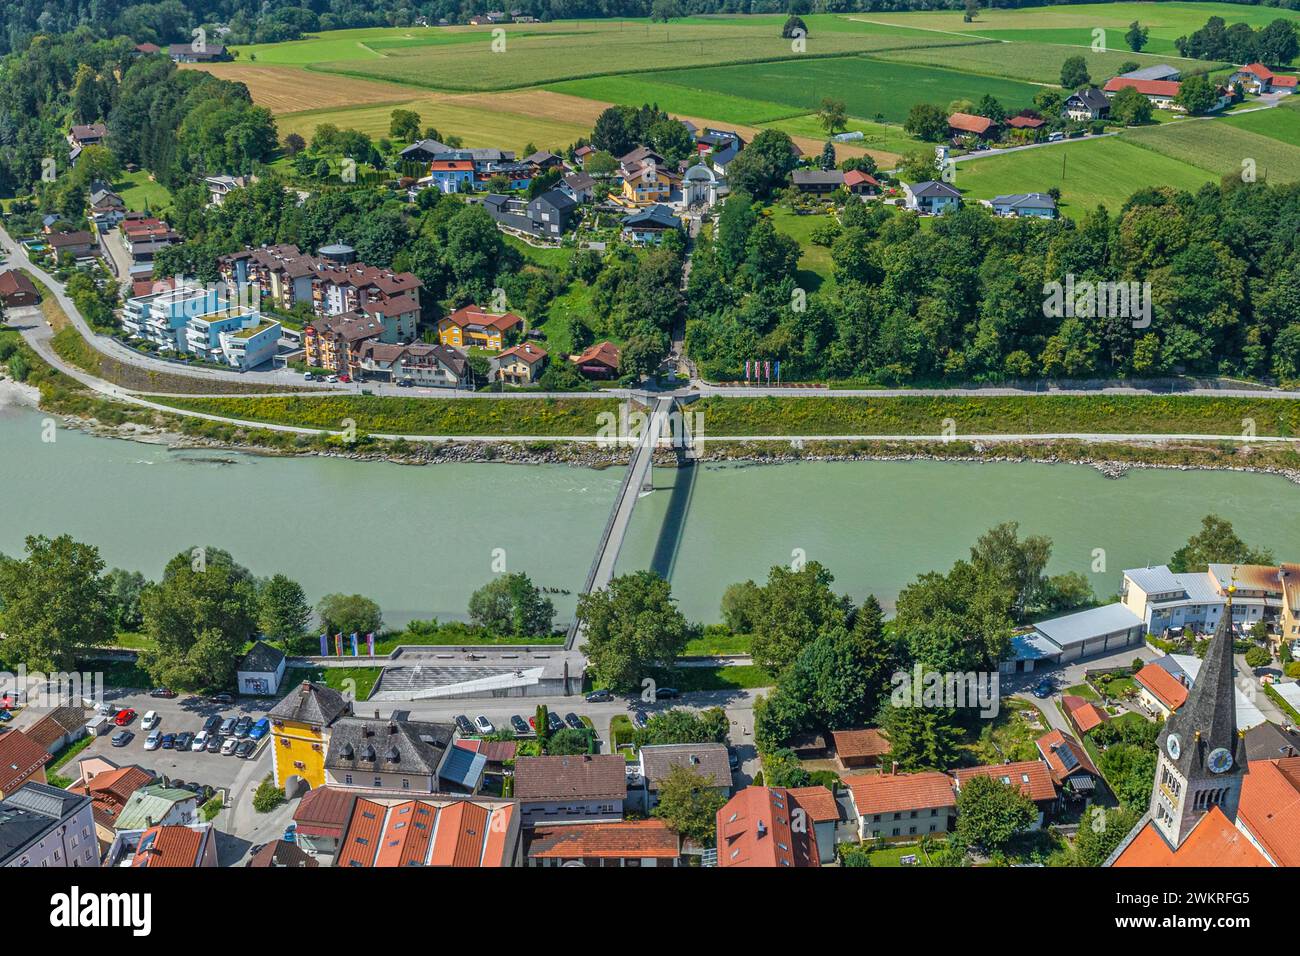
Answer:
(265, 21)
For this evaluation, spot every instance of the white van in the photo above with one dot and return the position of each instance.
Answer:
(150, 720)
(200, 741)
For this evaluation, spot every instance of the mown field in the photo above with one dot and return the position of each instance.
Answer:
(870, 88)
(1037, 414)
(1282, 123)
(413, 416)
(1220, 148)
(1103, 171)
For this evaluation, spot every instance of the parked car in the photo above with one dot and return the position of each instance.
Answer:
(308, 377)
(665, 693)
(124, 717)
(242, 726)
(150, 720)
(214, 744)
(733, 761)
(639, 719)
(200, 741)
(168, 741)
(291, 833)
(153, 741)
(227, 727)
(259, 729)
(213, 723)
(222, 698)
(518, 725)
(1043, 689)
(599, 696)
(463, 724)
(6, 716)
(164, 692)
(228, 746)
(244, 748)
(404, 383)
(331, 379)
(574, 721)
(532, 724)
(553, 722)
(183, 740)
(122, 738)
(483, 725)
(345, 378)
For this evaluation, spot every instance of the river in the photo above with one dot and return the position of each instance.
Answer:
(420, 539)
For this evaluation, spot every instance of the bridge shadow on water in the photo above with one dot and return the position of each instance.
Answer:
(669, 542)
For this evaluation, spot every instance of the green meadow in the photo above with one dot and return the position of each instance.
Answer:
(1282, 123)
(1220, 148)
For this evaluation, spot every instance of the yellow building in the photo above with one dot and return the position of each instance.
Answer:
(646, 184)
(472, 327)
(300, 726)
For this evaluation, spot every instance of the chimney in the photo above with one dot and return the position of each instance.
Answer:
(761, 828)
(894, 767)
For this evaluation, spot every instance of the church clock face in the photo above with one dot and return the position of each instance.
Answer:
(1220, 760)
(1174, 746)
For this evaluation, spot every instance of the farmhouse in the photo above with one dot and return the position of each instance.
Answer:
(90, 134)
(1026, 122)
(205, 53)
(1162, 93)
(1257, 78)
(1088, 103)
(967, 124)
(599, 361)
(1161, 71)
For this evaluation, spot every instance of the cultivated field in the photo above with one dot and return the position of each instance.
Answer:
(1282, 124)
(1221, 149)
(287, 89)
(1103, 171)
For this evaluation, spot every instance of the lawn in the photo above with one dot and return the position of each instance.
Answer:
(1008, 736)
(869, 87)
(1090, 172)
(139, 192)
(885, 141)
(1038, 414)
(1083, 690)
(414, 416)
(736, 677)
(815, 265)
(1221, 148)
(358, 681)
(1282, 123)
(717, 645)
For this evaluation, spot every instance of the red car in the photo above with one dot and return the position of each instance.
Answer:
(124, 717)
(345, 378)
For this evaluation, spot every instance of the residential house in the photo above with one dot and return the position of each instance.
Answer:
(931, 198)
(437, 366)
(1184, 669)
(521, 364)
(713, 140)
(59, 728)
(394, 830)
(205, 53)
(451, 174)
(1098, 630)
(155, 804)
(1031, 124)
(1072, 770)
(598, 361)
(43, 826)
(1030, 777)
(817, 182)
(424, 151)
(1163, 600)
(17, 290)
(967, 124)
(147, 48)
(77, 244)
(548, 216)
(144, 236)
(21, 760)
(710, 760)
(219, 187)
(260, 670)
(649, 226)
(241, 339)
(473, 327)
(1159, 691)
(1020, 205)
(1086, 104)
(581, 153)
(860, 183)
(542, 161)
(1288, 576)
(321, 819)
(573, 789)
(703, 186)
(822, 810)
(284, 855)
(1162, 93)
(722, 157)
(891, 806)
(300, 726)
(861, 747)
(392, 755)
(165, 846)
(755, 830)
(89, 134)
(578, 186)
(1257, 78)
(107, 209)
(109, 791)
(623, 843)
(646, 179)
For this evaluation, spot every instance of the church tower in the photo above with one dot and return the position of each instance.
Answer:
(1202, 757)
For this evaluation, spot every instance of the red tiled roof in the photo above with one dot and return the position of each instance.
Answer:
(109, 791)
(427, 833)
(1050, 745)
(754, 830)
(324, 811)
(20, 757)
(1166, 688)
(1025, 122)
(451, 165)
(1031, 776)
(892, 792)
(473, 315)
(862, 742)
(1213, 842)
(1146, 87)
(525, 352)
(1286, 81)
(169, 846)
(496, 751)
(1258, 69)
(13, 282)
(856, 177)
(626, 838)
(818, 802)
(969, 123)
(1085, 713)
(604, 353)
(1270, 807)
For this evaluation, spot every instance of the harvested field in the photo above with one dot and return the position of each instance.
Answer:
(288, 89)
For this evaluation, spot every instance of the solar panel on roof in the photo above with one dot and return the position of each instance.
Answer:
(1068, 759)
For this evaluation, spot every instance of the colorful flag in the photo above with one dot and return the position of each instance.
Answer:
(354, 643)
(778, 371)
(767, 371)
(338, 645)
(324, 646)
(370, 643)
(746, 370)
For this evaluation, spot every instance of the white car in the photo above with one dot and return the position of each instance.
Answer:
(484, 725)
(228, 746)
(200, 741)
(150, 720)
(331, 378)
(153, 741)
